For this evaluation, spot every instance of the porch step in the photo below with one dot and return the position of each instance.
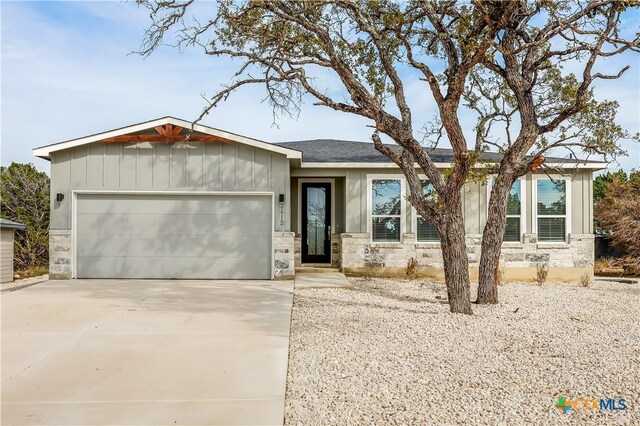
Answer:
(328, 278)
(315, 269)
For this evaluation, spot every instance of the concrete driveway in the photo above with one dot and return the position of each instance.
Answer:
(145, 352)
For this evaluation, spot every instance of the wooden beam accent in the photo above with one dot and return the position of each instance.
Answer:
(168, 130)
(165, 139)
(166, 134)
(536, 163)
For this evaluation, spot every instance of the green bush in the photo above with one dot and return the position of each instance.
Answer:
(24, 198)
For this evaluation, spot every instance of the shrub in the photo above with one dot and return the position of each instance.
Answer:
(412, 269)
(24, 193)
(367, 271)
(542, 270)
(500, 276)
(586, 279)
(618, 213)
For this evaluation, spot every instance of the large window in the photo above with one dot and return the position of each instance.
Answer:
(386, 209)
(551, 209)
(512, 231)
(427, 232)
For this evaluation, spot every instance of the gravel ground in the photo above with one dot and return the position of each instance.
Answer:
(389, 352)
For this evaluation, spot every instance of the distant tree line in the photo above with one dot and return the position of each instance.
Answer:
(24, 198)
(616, 198)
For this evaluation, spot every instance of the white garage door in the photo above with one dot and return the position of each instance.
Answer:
(174, 236)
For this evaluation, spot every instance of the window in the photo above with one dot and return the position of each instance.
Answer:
(512, 231)
(426, 231)
(386, 209)
(551, 209)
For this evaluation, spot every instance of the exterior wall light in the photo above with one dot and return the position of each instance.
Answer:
(281, 201)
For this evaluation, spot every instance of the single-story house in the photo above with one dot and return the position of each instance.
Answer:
(139, 202)
(7, 229)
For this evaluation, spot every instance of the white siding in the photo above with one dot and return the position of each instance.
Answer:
(203, 167)
(6, 255)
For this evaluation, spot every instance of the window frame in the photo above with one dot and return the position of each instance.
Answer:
(523, 208)
(370, 215)
(567, 211)
(414, 221)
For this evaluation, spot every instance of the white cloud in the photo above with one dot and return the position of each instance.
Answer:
(67, 72)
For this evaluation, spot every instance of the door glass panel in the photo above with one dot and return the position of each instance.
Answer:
(316, 220)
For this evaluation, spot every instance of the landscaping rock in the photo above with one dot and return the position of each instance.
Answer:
(389, 352)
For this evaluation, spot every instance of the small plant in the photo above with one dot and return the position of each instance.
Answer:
(542, 270)
(35, 271)
(367, 271)
(412, 269)
(586, 279)
(500, 276)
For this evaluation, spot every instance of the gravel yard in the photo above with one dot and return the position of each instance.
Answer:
(389, 352)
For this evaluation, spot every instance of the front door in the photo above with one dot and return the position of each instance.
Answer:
(316, 222)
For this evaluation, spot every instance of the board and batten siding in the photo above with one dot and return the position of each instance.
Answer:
(475, 198)
(6, 255)
(160, 167)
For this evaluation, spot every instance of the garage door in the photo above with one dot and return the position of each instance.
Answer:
(173, 236)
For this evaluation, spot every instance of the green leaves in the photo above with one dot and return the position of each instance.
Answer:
(600, 182)
(617, 212)
(24, 193)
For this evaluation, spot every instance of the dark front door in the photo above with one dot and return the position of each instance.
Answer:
(316, 222)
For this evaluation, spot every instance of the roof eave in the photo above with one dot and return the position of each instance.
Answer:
(13, 226)
(442, 165)
(45, 152)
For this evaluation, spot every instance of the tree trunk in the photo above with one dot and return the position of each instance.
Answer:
(454, 256)
(492, 241)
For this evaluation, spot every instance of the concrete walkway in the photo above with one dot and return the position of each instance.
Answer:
(26, 282)
(317, 278)
(145, 352)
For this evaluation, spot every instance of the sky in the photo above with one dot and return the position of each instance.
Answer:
(67, 71)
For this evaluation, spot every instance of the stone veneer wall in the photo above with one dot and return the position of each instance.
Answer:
(335, 250)
(567, 261)
(59, 254)
(283, 247)
(336, 247)
(297, 250)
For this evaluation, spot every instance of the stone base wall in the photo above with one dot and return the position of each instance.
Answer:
(577, 253)
(567, 261)
(335, 250)
(284, 263)
(59, 254)
(297, 250)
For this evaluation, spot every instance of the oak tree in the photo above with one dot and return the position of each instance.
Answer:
(24, 198)
(486, 56)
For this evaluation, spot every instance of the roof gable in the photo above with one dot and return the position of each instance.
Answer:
(164, 130)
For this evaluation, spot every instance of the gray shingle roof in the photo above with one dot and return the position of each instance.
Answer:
(341, 151)
(6, 223)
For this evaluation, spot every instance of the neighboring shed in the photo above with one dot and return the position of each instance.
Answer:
(7, 228)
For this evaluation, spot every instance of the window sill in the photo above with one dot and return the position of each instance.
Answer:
(393, 245)
(512, 244)
(553, 245)
(427, 244)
